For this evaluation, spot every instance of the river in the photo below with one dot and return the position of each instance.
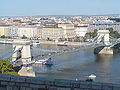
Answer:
(78, 65)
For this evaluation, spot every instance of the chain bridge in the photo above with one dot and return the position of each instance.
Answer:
(103, 43)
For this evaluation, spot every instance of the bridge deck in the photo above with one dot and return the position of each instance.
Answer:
(68, 50)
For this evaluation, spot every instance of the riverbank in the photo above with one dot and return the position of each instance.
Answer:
(10, 41)
(67, 43)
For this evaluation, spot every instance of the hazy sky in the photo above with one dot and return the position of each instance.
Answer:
(58, 7)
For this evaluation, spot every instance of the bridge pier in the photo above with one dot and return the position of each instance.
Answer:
(106, 50)
(26, 71)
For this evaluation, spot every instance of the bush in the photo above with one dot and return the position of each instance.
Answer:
(6, 67)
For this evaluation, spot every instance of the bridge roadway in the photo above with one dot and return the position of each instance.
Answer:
(11, 82)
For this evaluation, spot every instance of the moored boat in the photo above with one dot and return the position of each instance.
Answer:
(6, 41)
(62, 43)
(35, 43)
(44, 61)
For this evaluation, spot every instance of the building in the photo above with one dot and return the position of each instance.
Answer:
(13, 31)
(115, 26)
(52, 33)
(38, 33)
(9, 31)
(50, 24)
(69, 30)
(30, 32)
(5, 30)
(60, 32)
(80, 31)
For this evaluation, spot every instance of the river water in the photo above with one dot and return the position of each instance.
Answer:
(78, 65)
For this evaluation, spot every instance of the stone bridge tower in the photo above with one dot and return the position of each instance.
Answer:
(104, 34)
(22, 51)
(103, 37)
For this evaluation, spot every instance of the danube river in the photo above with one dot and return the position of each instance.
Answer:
(78, 65)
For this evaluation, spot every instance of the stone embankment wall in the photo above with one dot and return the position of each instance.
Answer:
(11, 82)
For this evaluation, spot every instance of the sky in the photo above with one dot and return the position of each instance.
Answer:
(58, 7)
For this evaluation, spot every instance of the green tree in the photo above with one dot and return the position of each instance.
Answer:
(77, 40)
(94, 34)
(24, 37)
(91, 34)
(6, 67)
(113, 33)
(3, 36)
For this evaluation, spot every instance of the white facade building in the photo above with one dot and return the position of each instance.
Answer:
(69, 30)
(52, 33)
(29, 32)
(80, 31)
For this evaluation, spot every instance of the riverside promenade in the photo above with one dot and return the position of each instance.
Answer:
(11, 82)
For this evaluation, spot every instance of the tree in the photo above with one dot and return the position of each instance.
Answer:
(3, 36)
(77, 40)
(91, 34)
(94, 34)
(24, 37)
(113, 33)
(6, 67)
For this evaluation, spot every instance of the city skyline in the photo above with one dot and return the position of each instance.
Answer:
(61, 7)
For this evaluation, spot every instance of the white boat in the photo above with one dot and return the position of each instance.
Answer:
(44, 61)
(6, 41)
(92, 76)
(62, 43)
(35, 43)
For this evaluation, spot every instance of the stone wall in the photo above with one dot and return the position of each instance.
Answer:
(11, 82)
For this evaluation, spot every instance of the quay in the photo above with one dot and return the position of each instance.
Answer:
(10, 41)
(6, 41)
(68, 43)
(12, 82)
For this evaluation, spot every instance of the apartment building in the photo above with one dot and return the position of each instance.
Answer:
(62, 31)
(13, 31)
(52, 33)
(80, 31)
(28, 31)
(69, 30)
(4, 30)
